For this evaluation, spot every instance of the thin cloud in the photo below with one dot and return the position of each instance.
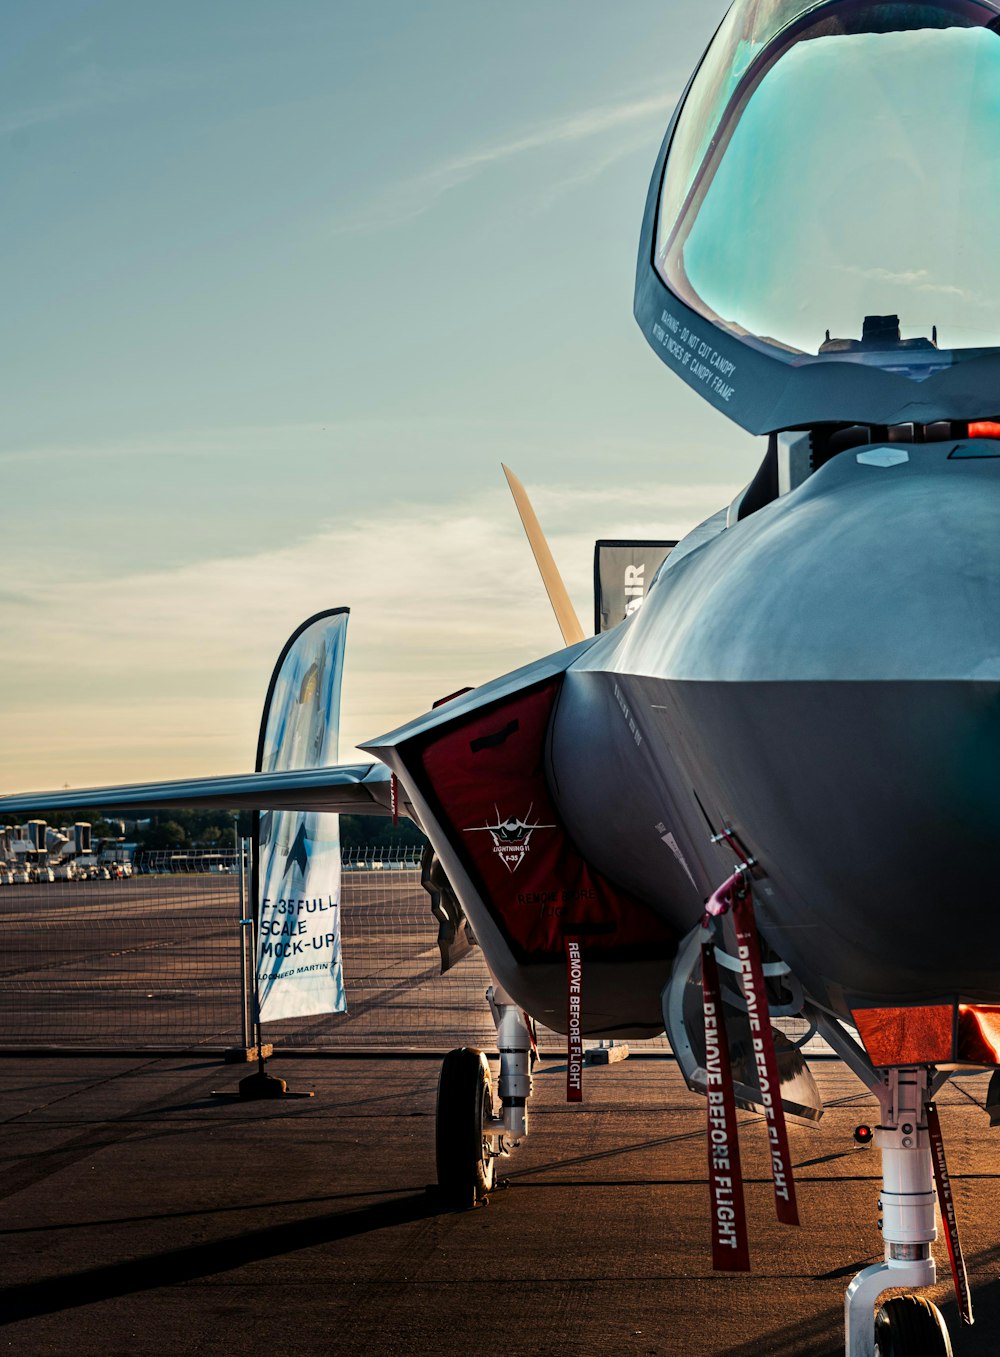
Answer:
(92, 89)
(592, 170)
(180, 658)
(20, 119)
(410, 198)
(240, 440)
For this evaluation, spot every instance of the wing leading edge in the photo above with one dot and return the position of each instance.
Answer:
(348, 789)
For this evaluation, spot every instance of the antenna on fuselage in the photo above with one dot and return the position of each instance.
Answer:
(569, 623)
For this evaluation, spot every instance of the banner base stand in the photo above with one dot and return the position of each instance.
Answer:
(246, 1055)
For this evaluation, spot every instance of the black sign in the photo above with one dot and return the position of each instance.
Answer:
(623, 572)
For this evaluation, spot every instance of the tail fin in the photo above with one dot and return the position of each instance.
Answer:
(569, 623)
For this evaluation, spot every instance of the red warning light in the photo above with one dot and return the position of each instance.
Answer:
(864, 1135)
(984, 428)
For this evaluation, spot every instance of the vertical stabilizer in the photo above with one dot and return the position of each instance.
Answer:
(569, 623)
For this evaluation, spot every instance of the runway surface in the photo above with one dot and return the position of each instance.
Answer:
(141, 1216)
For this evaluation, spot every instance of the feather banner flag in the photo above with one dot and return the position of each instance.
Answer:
(297, 866)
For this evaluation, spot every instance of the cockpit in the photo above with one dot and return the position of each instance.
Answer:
(834, 180)
(829, 193)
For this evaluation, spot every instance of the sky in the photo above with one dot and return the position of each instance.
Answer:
(282, 287)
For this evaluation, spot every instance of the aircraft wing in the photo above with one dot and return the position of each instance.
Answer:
(349, 789)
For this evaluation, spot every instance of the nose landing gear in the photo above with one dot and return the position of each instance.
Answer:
(906, 1326)
(909, 1326)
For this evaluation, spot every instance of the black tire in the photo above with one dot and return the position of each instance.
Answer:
(909, 1326)
(465, 1163)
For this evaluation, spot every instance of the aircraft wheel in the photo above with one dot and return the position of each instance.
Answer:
(909, 1326)
(465, 1162)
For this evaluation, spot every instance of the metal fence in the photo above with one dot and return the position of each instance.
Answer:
(154, 961)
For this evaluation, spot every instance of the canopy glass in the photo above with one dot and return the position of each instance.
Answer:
(836, 166)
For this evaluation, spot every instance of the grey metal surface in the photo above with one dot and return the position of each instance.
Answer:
(863, 572)
(824, 678)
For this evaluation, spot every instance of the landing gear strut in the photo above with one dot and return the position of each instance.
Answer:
(469, 1136)
(906, 1326)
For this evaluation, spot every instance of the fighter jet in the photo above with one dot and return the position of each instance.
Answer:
(772, 789)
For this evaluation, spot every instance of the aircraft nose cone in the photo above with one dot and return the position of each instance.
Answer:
(865, 572)
(827, 676)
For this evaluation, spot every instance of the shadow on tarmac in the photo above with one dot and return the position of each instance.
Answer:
(101, 1221)
(52, 1294)
(823, 1334)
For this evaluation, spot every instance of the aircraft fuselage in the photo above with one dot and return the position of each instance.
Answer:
(823, 678)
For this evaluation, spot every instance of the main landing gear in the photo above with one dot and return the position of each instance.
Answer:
(470, 1135)
(466, 1141)
(905, 1326)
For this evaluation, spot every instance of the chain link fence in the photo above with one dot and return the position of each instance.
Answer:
(156, 960)
(153, 961)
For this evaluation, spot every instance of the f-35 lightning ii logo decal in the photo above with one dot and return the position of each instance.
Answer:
(511, 837)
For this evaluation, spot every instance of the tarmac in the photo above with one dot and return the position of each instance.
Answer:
(141, 1215)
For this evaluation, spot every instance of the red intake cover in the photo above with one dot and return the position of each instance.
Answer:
(488, 775)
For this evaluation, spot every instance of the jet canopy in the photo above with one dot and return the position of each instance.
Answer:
(829, 194)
